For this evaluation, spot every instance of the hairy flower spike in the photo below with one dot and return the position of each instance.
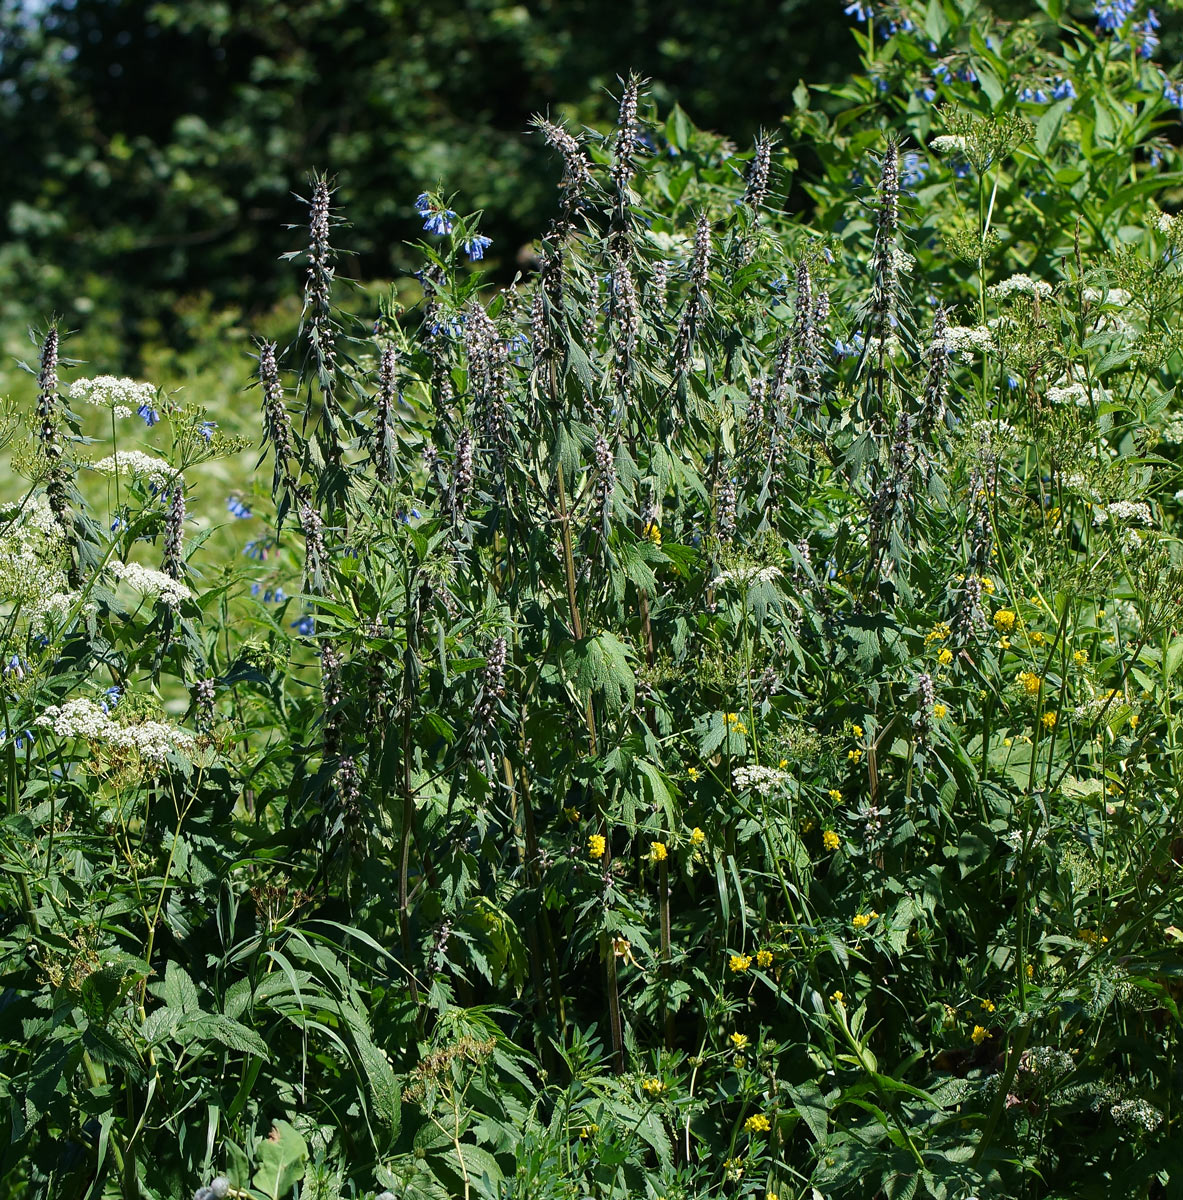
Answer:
(725, 506)
(605, 481)
(577, 178)
(174, 532)
(700, 266)
(493, 684)
(462, 477)
(488, 374)
(756, 188)
(626, 143)
(626, 312)
(319, 278)
(277, 425)
(382, 446)
(932, 407)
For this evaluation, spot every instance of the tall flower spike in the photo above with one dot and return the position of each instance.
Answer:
(577, 178)
(48, 433)
(700, 268)
(626, 143)
(886, 270)
(277, 425)
(318, 285)
(488, 374)
(605, 481)
(627, 315)
(383, 436)
(462, 477)
(756, 189)
(932, 408)
(174, 532)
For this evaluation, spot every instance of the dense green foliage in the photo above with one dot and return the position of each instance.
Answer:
(701, 721)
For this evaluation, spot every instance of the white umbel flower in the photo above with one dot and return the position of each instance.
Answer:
(1124, 512)
(109, 391)
(152, 741)
(151, 582)
(759, 779)
(136, 463)
(1021, 285)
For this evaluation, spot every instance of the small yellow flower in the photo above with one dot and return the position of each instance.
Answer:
(653, 532)
(839, 999)
(740, 727)
(945, 657)
(1030, 970)
(764, 959)
(588, 1131)
(596, 845)
(855, 756)
(1048, 720)
(658, 852)
(771, 1196)
(1031, 682)
(692, 774)
(739, 963)
(939, 711)
(979, 1035)
(784, 762)
(572, 814)
(623, 948)
(831, 840)
(987, 585)
(1134, 719)
(652, 1087)
(733, 1168)
(857, 730)
(731, 718)
(697, 837)
(836, 795)
(1037, 638)
(1004, 643)
(861, 921)
(807, 825)
(739, 1040)
(1004, 620)
(757, 1124)
(1081, 658)
(988, 1006)
(938, 633)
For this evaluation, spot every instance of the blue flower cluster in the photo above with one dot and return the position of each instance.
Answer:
(150, 415)
(435, 219)
(1062, 89)
(237, 508)
(1145, 36)
(1172, 93)
(206, 430)
(1113, 14)
(476, 246)
(278, 596)
(849, 349)
(258, 549)
(858, 10)
(305, 626)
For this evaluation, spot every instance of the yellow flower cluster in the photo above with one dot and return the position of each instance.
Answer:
(939, 711)
(653, 1087)
(739, 1040)
(1031, 682)
(839, 999)
(1048, 720)
(652, 531)
(988, 1006)
(979, 1035)
(764, 959)
(757, 1124)
(572, 814)
(658, 852)
(697, 837)
(734, 723)
(831, 840)
(855, 755)
(739, 963)
(596, 845)
(1004, 620)
(945, 657)
(836, 795)
(692, 774)
(938, 633)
